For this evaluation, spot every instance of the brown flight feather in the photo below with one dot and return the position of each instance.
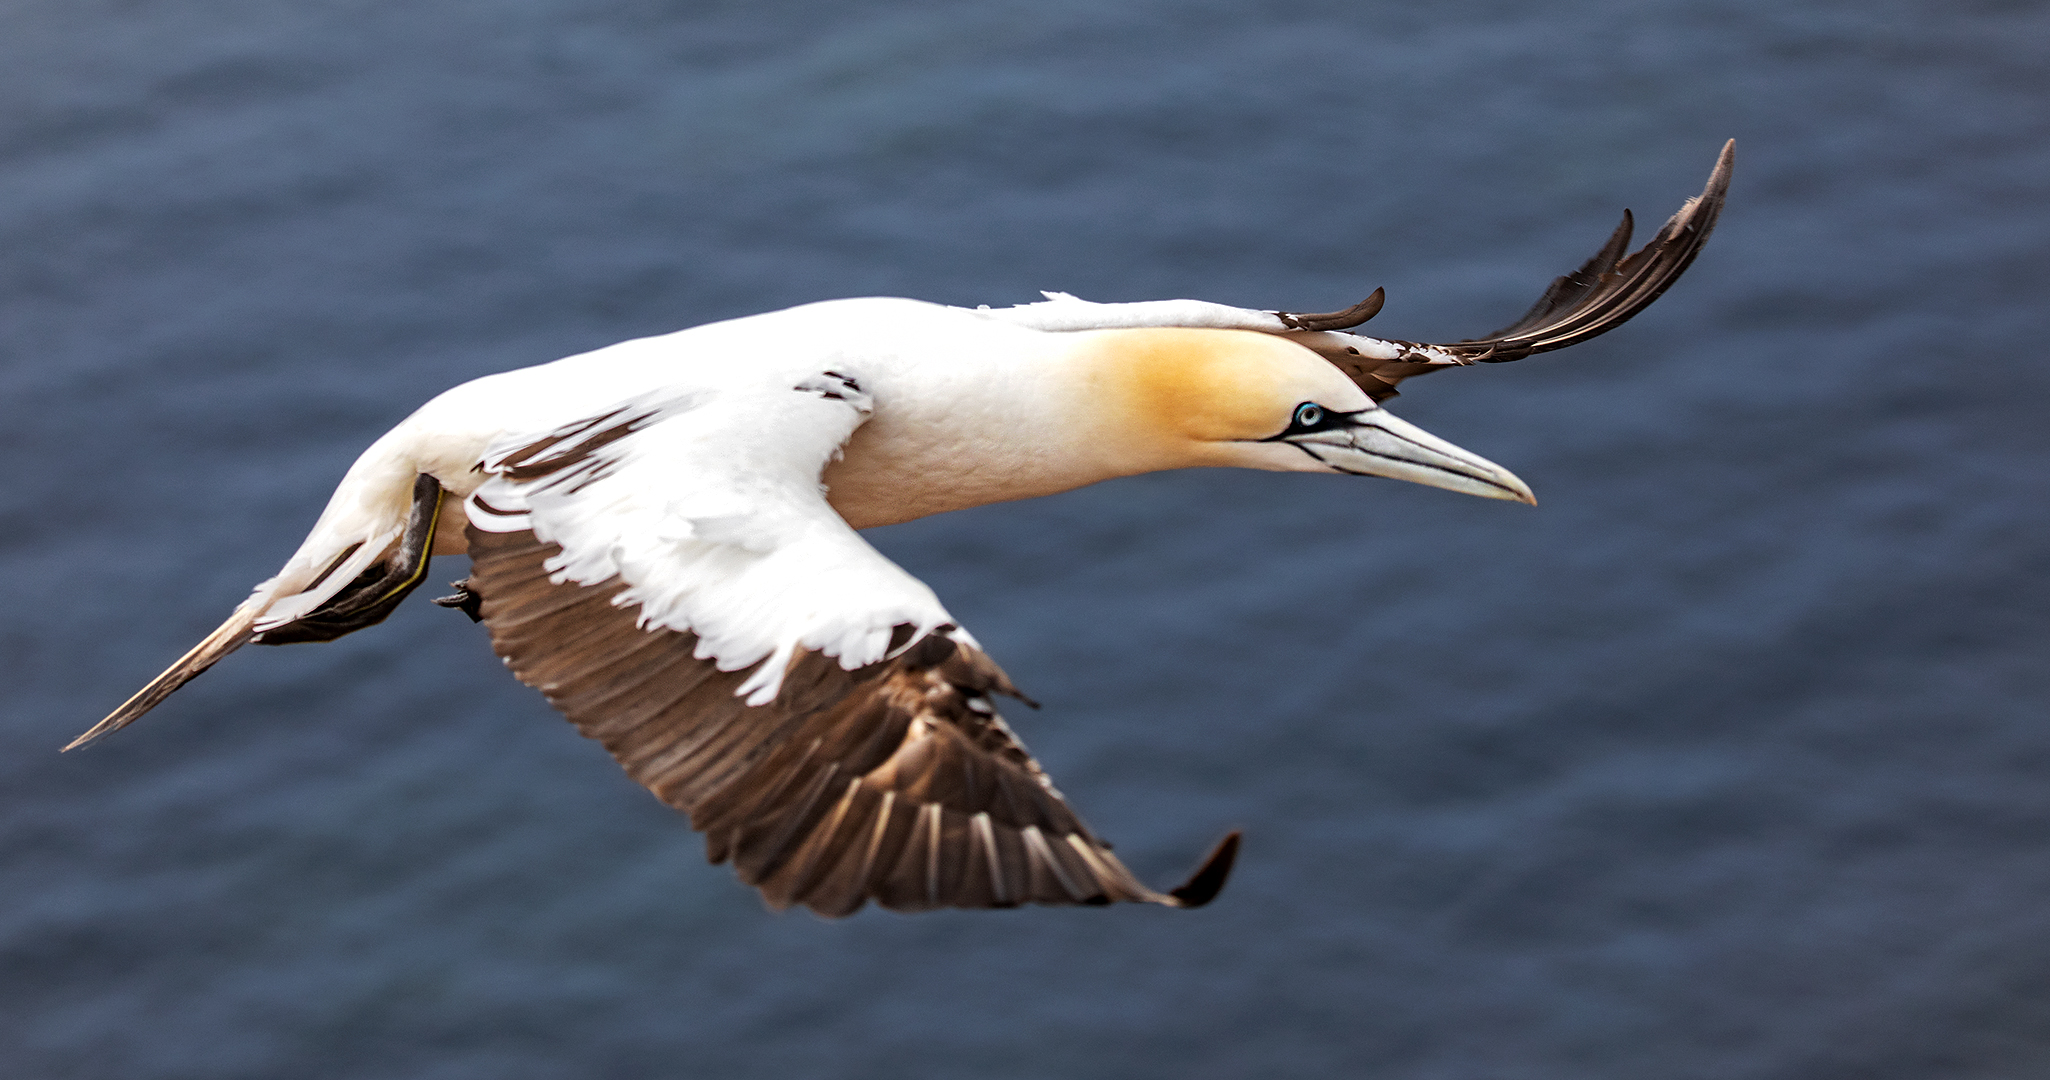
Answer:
(1604, 293)
(896, 783)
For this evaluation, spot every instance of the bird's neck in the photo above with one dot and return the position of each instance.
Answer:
(1036, 416)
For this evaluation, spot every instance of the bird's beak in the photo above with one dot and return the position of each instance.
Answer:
(1377, 444)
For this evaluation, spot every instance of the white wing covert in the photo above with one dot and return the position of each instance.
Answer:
(708, 507)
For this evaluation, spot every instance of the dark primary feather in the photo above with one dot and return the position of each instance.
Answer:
(1610, 288)
(1604, 293)
(896, 783)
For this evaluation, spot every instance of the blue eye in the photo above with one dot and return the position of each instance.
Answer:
(1308, 415)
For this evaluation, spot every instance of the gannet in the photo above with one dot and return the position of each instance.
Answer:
(662, 536)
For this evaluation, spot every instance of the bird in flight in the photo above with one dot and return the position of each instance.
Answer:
(662, 537)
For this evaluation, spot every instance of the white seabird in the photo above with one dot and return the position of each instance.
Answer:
(662, 539)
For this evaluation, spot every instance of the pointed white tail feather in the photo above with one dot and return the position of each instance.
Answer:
(226, 638)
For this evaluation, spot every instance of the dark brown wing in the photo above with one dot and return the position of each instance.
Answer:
(1610, 288)
(897, 783)
(1603, 294)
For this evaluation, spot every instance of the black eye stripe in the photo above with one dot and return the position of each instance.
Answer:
(1310, 417)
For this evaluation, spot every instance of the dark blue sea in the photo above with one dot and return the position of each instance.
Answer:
(1730, 761)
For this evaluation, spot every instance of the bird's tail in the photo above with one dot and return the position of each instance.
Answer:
(231, 635)
(349, 574)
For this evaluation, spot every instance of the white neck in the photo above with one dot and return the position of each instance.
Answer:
(1013, 421)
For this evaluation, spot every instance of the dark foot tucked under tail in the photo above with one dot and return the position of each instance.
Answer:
(463, 600)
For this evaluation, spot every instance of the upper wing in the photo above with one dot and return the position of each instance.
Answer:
(1600, 296)
(670, 576)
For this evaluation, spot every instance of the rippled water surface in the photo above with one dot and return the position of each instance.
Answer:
(1729, 761)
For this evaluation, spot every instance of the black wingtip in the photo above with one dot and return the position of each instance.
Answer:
(1208, 880)
(1609, 289)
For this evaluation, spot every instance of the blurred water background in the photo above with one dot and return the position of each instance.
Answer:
(1729, 761)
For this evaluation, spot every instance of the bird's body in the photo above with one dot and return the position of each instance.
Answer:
(663, 541)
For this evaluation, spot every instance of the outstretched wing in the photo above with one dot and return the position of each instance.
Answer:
(1605, 292)
(689, 600)
(1600, 296)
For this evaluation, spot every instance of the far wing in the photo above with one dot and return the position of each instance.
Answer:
(628, 568)
(1603, 294)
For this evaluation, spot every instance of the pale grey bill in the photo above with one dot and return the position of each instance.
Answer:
(1382, 445)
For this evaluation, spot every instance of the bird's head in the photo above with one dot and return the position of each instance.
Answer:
(1194, 397)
